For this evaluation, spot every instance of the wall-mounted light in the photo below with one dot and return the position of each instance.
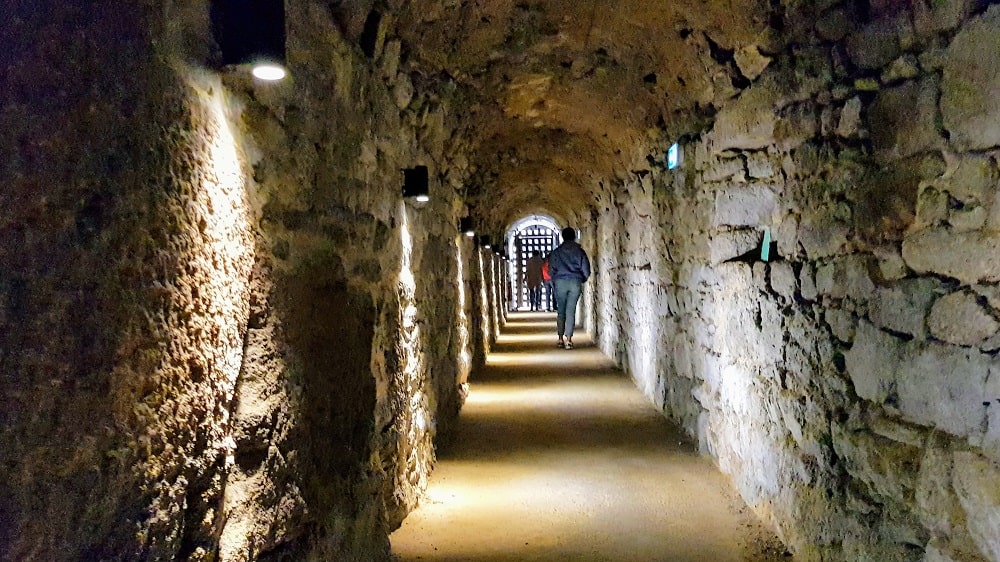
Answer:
(416, 185)
(251, 33)
(465, 227)
(484, 241)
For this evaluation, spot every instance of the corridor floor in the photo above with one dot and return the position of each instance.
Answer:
(557, 456)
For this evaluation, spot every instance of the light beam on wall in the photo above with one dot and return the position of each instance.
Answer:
(464, 354)
(223, 273)
(484, 313)
(420, 431)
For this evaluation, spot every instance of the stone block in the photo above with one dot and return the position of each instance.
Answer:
(875, 45)
(991, 293)
(825, 283)
(751, 205)
(834, 25)
(903, 68)
(760, 166)
(967, 219)
(750, 121)
(402, 92)
(842, 324)
(942, 386)
(936, 504)
(787, 238)
(872, 362)
(390, 60)
(783, 279)
(930, 18)
(959, 319)
(934, 553)
(900, 432)
(903, 120)
(969, 104)
(889, 467)
(727, 245)
(970, 257)
(725, 169)
(821, 235)
(933, 59)
(827, 121)
(890, 263)
(991, 441)
(932, 207)
(977, 483)
(797, 125)
(903, 307)
(846, 277)
(702, 156)
(807, 283)
(970, 178)
(850, 118)
(750, 62)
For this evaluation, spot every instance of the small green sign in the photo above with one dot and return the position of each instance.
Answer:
(765, 248)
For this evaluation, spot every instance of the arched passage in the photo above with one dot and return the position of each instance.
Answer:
(535, 233)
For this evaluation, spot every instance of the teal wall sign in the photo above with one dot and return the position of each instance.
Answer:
(765, 248)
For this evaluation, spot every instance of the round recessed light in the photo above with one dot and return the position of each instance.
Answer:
(269, 72)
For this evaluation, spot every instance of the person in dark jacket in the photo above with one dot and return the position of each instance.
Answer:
(533, 276)
(569, 267)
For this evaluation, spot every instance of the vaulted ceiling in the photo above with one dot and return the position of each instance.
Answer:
(560, 94)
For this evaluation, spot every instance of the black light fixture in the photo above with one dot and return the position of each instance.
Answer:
(465, 226)
(416, 185)
(484, 241)
(251, 32)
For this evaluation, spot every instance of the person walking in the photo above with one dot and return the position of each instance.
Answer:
(533, 276)
(569, 267)
(547, 284)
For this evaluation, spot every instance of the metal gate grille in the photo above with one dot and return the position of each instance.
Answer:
(535, 238)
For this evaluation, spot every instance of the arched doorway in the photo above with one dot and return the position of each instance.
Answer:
(534, 233)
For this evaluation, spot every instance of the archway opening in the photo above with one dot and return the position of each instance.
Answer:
(535, 233)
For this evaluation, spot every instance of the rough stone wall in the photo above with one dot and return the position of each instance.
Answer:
(222, 333)
(850, 384)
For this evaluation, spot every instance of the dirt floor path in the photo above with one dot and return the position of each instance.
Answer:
(557, 456)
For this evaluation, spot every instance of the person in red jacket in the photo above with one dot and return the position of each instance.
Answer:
(547, 282)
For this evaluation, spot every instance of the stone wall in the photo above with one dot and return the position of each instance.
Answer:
(223, 335)
(849, 385)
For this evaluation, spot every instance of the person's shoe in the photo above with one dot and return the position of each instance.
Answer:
(560, 344)
(569, 345)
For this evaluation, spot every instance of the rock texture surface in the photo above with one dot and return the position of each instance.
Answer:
(225, 336)
(847, 384)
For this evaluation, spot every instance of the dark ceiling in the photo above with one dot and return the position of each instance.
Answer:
(557, 95)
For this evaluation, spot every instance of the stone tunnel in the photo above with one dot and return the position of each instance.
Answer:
(225, 334)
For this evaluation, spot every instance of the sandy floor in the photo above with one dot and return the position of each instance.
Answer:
(558, 457)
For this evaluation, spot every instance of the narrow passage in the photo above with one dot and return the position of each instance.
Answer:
(557, 456)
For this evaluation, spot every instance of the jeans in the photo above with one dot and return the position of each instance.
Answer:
(567, 295)
(535, 296)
